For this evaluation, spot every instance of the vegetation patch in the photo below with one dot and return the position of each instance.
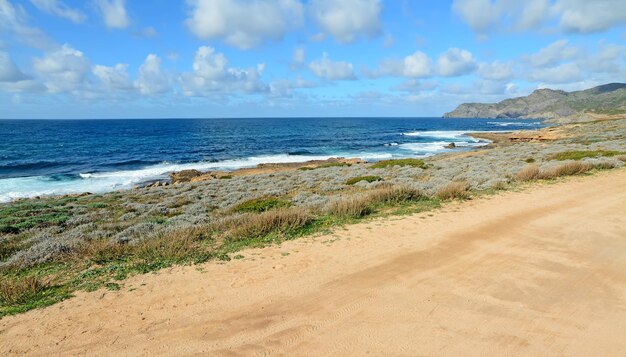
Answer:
(354, 180)
(261, 204)
(399, 162)
(454, 190)
(579, 155)
(22, 216)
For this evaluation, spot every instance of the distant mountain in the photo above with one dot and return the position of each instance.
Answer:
(607, 100)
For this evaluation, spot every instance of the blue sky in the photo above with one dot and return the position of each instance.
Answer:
(249, 58)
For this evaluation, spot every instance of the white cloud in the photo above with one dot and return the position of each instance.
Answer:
(455, 62)
(243, 23)
(346, 20)
(63, 70)
(151, 79)
(13, 19)
(60, 9)
(417, 65)
(554, 53)
(211, 74)
(285, 88)
(496, 71)
(9, 72)
(332, 70)
(586, 16)
(113, 77)
(114, 13)
(581, 16)
(563, 73)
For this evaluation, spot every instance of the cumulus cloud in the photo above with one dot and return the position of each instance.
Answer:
(212, 74)
(332, 70)
(114, 13)
(581, 16)
(416, 65)
(586, 16)
(346, 20)
(14, 20)
(243, 23)
(113, 77)
(9, 72)
(285, 88)
(496, 70)
(563, 73)
(151, 79)
(455, 62)
(63, 70)
(554, 53)
(60, 9)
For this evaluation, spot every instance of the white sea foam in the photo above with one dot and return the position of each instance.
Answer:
(511, 123)
(13, 188)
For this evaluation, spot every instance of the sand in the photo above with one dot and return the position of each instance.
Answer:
(536, 272)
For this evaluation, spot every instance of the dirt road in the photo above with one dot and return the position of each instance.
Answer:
(538, 272)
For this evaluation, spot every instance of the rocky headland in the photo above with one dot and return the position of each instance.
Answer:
(602, 102)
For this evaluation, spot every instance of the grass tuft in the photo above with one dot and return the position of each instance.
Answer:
(281, 220)
(528, 173)
(454, 190)
(19, 291)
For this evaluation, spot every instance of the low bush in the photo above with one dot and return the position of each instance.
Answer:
(399, 162)
(261, 204)
(354, 180)
(453, 190)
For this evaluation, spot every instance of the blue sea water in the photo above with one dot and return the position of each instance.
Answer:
(48, 157)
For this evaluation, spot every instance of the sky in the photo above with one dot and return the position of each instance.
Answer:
(297, 58)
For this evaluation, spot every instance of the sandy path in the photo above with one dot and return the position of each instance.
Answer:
(539, 272)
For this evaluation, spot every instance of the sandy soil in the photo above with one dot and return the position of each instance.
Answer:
(538, 272)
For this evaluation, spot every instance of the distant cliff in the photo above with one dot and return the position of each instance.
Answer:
(607, 100)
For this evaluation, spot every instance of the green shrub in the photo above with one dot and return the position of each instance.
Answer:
(261, 204)
(354, 180)
(579, 155)
(400, 162)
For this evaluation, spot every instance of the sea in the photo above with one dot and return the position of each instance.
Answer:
(56, 157)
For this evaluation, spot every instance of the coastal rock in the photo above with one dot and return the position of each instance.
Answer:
(184, 176)
(450, 146)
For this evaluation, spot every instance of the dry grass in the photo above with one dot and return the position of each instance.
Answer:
(532, 172)
(528, 173)
(455, 189)
(278, 220)
(621, 158)
(396, 195)
(174, 246)
(353, 207)
(19, 291)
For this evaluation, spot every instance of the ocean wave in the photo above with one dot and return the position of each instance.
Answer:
(514, 123)
(98, 182)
